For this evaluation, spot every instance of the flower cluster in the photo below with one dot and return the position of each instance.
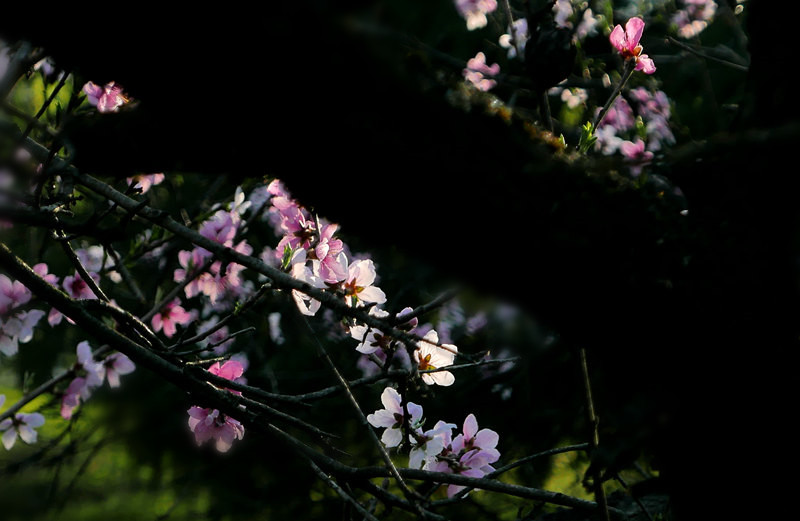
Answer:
(16, 325)
(90, 375)
(693, 17)
(475, 11)
(20, 425)
(479, 74)
(470, 453)
(211, 424)
(219, 279)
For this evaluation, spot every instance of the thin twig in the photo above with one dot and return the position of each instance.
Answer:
(594, 436)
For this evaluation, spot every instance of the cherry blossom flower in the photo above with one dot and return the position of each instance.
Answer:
(18, 329)
(41, 269)
(471, 438)
(115, 365)
(220, 227)
(208, 424)
(429, 444)
(107, 99)
(627, 44)
(392, 415)
(169, 317)
(146, 181)
(619, 115)
(231, 370)
(297, 227)
(332, 267)
(429, 355)
(77, 288)
(636, 154)
(520, 32)
(22, 425)
(307, 305)
(475, 11)
(477, 70)
(370, 338)
(635, 151)
(358, 287)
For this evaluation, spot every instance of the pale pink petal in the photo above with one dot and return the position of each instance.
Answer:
(382, 419)
(9, 437)
(645, 64)
(470, 427)
(392, 437)
(27, 434)
(486, 439)
(391, 400)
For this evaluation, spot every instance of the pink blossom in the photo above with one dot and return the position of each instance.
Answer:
(220, 228)
(107, 99)
(12, 294)
(475, 11)
(636, 154)
(429, 444)
(230, 370)
(169, 317)
(22, 425)
(430, 356)
(18, 329)
(208, 424)
(146, 181)
(473, 439)
(371, 339)
(326, 252)
(627, 44)
(41, 269)
(477, 70)
(520, 32)
(635, 151)
(358, 288)
(190, 261)
(115, 365)
(619, 115)
(391, 417)
(297, 227)
(77, 288)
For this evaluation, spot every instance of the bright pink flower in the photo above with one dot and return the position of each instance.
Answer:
(471, 438)
(477, 70)
(208, 424)
(627, 44)
(169, 317)
(221, 227)
(12, 294)
(298, 228)
(22, 425)
(190, 261)
(230, 370)
(107, 99)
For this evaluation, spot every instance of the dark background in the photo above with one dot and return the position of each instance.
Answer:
(690, 322)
